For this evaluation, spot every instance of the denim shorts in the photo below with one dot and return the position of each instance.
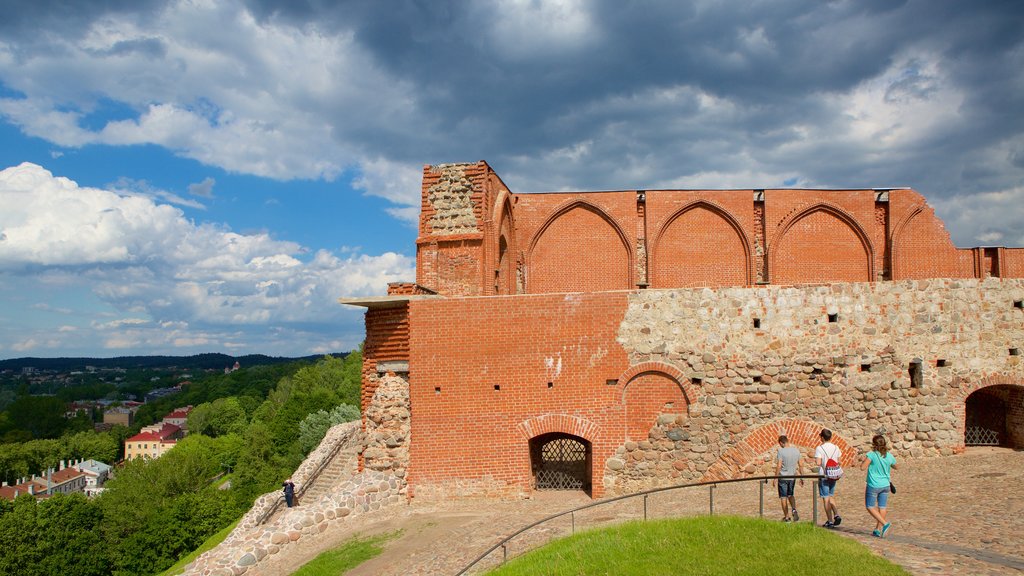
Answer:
(876, 496)
(786, 488)
(827, 487)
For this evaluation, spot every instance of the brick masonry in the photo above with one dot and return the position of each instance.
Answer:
(676, 333)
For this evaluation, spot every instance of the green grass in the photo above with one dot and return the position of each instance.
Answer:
(345, 557)
(210, 543)
(719, 546)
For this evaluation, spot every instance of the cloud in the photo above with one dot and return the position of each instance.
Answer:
(202, 189)
(555, 94)
(174, 282)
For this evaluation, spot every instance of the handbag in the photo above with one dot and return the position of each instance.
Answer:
(892, 488)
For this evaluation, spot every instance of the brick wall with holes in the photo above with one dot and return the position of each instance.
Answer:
(479, 367)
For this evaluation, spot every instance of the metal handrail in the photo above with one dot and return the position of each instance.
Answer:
(713, 483)
(310, 480)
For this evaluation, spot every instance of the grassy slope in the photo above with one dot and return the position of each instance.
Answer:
(210, 543)
(723, 546)
(345, 557)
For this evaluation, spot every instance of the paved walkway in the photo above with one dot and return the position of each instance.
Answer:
(957, 515)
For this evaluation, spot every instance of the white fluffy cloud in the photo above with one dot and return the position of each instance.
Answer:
(210, 82)
(172, 283)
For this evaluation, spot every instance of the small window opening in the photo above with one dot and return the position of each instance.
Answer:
(437, 390)
(865, 367)
(1018, 303)
(758, 378)
(833, 317)
(1014, 351)
(497, 386)
(757, 322)
(609, 382)
(916, 374)
(551, 384)
(696, 381)
(816, 371)
(941, 363)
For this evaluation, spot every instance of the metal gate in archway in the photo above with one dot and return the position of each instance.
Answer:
(989, 420)
(560, 462)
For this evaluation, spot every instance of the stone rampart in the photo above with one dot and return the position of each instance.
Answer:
(893, 358)
(269, 528)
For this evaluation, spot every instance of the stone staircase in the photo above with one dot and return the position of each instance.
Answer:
(344, 464)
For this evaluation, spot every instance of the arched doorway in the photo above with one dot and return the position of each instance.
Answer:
(995, 417)
(561, 461)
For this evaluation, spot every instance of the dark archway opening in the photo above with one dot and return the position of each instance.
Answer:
(561, 461)
(995, 417)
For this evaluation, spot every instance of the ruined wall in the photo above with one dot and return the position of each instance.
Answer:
(387, 428)
(487, 374)
(477, 238)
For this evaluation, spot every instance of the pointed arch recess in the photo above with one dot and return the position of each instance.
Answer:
(801, 433)
(843, 216)
(506, 280)
(535, 277)
(714, 255)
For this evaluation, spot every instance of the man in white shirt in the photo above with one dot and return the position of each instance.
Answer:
(827, 486)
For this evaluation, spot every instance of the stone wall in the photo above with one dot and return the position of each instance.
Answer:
(838, 356)
(363, 493)
(269, 527)
(387, 427)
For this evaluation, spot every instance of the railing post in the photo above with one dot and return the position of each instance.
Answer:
(504, 553)
(711, 500)
(645, 507)
(814, 501)
(573, 522)
(760, 504)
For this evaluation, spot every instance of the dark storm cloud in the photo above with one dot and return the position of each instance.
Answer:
(771, 61)
(640, 94)
(24, 20)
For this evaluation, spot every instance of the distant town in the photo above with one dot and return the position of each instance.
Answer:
(100, 394)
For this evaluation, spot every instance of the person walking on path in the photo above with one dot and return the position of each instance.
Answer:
(289, 492)
(825, 452)
(879, 463)
(787, 460)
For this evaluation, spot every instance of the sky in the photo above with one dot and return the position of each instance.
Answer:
(180, 177)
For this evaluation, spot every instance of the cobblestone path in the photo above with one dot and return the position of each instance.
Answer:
(956, 515)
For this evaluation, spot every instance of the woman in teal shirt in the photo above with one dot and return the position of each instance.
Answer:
(879, 462)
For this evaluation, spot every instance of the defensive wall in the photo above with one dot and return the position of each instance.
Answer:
(615, 341)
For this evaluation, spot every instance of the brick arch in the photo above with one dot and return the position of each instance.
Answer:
(592, 258)
(710, 255)
(565, 423)
(922, 248)
(667, 370)
(866, 261)
(506, 280)
(801, 433)
(967, 387)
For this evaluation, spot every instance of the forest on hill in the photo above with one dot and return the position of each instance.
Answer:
(249, 429)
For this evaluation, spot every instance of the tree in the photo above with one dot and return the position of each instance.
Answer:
(43, 416)
(314, 426)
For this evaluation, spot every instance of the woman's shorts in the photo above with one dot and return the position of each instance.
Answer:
(876, 497)
(826, 487)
